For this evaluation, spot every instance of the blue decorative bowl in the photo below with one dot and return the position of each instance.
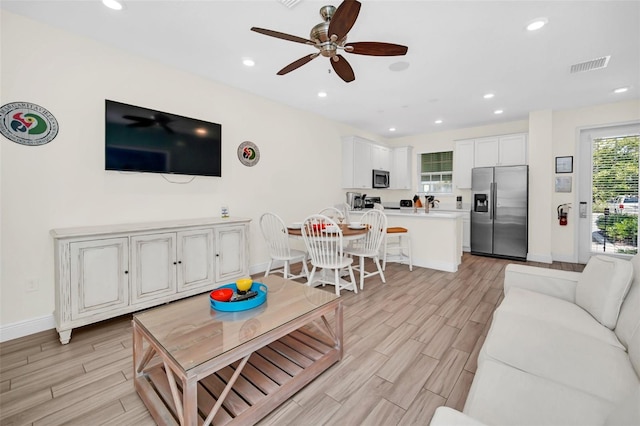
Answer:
(242, 305)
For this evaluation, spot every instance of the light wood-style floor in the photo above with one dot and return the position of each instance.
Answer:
(411, 345)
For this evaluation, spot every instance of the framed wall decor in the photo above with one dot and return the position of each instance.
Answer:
(564, 164)
(563, 183)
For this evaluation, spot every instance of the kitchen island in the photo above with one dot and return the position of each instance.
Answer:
(436, 237)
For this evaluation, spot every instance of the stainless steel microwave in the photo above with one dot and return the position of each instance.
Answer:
(380, 179)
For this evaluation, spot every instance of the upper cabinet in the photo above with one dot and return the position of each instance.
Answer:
(463, 160)
(356, 163)
(360, 156)
(506, 150)
(401, 168)
(380, 157)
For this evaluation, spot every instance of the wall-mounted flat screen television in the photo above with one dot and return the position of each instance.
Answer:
(144, 140)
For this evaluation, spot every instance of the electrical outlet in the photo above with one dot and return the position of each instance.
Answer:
(32, 285)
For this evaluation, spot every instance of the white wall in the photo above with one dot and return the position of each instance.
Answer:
(64, 183)
(566, 131)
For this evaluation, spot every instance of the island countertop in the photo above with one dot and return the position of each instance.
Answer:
(436, 237)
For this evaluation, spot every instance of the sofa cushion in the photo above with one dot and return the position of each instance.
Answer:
(558, 312)
(629, 319)
(602, 286)
(502, 395)
(627, 412)
(559, 354)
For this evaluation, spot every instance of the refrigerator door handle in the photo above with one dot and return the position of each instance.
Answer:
(494, 190)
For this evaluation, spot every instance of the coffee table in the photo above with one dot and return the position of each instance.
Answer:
(194, 365)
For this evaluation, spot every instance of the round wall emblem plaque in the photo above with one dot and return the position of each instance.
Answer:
(248, 154)
(27, 124)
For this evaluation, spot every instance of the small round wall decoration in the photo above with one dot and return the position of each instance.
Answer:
(248, 153)
(27, 124)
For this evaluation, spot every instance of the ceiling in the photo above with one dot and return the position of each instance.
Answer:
(458, 51)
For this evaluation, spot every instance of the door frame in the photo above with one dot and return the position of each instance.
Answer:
(584, 180)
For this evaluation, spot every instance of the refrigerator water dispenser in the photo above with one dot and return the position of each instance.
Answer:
(480, 203)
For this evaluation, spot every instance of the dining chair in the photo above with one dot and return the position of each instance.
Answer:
(277, 237)
(333, 213)
(398, 241)
(369, 246)
(326, 253)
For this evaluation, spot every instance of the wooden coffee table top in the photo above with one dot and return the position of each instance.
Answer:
(192, 333)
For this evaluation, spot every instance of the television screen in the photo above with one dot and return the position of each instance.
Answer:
(144, 140)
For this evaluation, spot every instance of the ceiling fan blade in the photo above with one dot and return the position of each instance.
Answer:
(374, 48)
(342, 68)
(297, 64)
(344, 18)
(283, 36)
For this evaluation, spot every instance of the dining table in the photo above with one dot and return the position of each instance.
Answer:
(349, 233)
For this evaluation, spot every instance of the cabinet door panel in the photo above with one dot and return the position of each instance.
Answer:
(486, 152)
(362, 164)
(230, 247)
(513, 150)
(463, 158)
(195, 259)
(99, 280)
(153, 266)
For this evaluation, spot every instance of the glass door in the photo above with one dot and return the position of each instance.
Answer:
(609, 192)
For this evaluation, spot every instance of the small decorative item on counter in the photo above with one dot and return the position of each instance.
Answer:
(224, 212)
(416, 201)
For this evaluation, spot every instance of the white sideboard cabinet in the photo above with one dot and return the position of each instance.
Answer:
(105, 271)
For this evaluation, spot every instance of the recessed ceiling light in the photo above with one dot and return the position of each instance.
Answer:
(248, 62)
(438, 121)
(536, 24)
(621, 90)
(112, 4)
(392, 129)
(488, 95)
(498, 111)
(322, 94)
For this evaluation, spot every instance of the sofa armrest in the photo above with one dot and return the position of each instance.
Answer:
(445, 416)
(552, 282)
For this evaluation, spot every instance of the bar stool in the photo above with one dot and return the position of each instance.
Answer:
(397, 239)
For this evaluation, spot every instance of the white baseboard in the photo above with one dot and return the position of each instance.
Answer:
(256, 269)
(26, 327)
(543, 258)
(569, 258)
(440, 266)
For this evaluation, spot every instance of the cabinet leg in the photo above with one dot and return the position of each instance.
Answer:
(65, 336)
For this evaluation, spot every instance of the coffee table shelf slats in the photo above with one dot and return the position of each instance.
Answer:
(291, 354)
(247, 390)
(233, 403)
(301, 347)
(257, 377)
(252, 387)
(269, 369)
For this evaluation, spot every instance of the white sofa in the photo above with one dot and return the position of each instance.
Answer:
(563, 349)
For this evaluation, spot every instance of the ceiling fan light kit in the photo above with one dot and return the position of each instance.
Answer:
(330, 37)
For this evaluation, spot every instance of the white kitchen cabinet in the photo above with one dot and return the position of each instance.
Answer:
(512, 150)
(463, 163)
(506, 150)
(169, 260)
(356, 163)
(486, 152)
(380, 157)
(98, 277)
(400, 173)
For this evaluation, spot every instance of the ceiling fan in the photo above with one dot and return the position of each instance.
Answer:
(330, 36)
(159, 119)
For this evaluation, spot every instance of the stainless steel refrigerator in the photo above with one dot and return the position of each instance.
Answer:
(499, 211)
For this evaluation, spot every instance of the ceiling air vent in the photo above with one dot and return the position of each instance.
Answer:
(289, 3)
(594, 64)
